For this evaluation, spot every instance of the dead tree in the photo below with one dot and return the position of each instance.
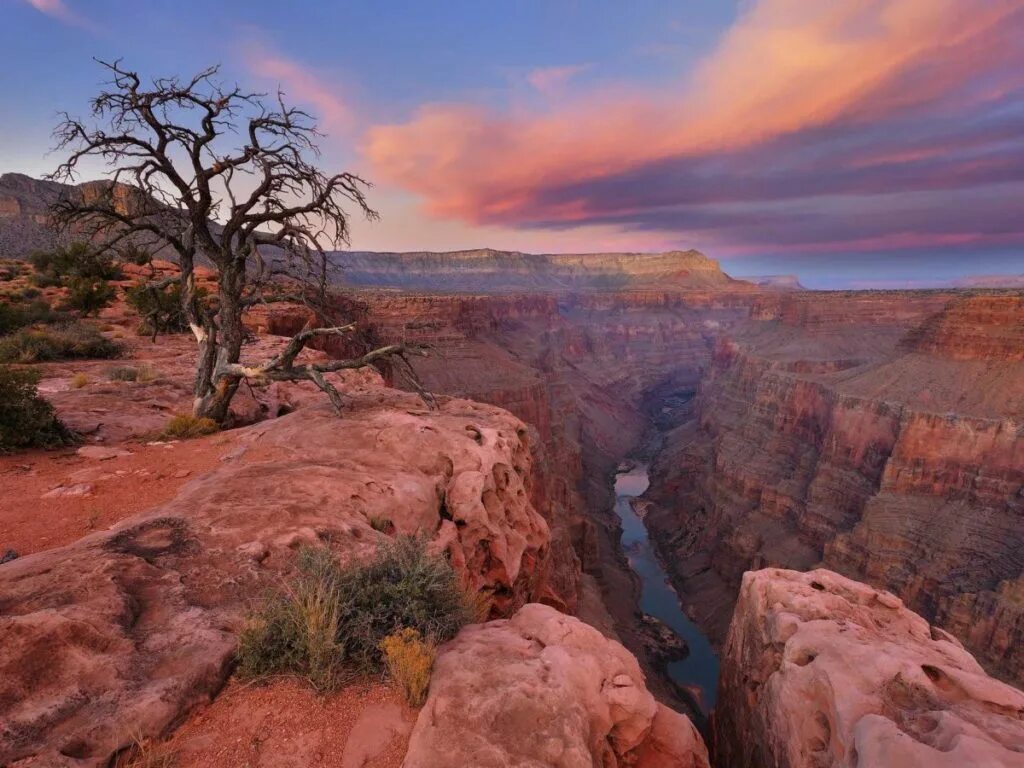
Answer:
(217, 175)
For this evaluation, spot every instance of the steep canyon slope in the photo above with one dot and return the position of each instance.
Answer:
(877, 434)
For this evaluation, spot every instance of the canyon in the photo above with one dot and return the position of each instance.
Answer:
(876, 434)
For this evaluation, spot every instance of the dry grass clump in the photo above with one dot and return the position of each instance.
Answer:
(144, 373)
(332, 620)
(146, 753)
(409, 659)
(79, 380)
(66, 341)
(185, 426)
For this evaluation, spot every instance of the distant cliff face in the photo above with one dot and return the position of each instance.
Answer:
(876, 433)
(25, 221)
(491, 271)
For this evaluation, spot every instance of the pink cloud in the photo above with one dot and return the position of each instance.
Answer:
(302, 84)
(553, 80)
(59, 10)
(785, 67)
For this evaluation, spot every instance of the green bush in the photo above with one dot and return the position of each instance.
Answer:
(56, 342)
(88, 295)
(332, 616)
(62, 264)
(160, 310)
(16, 315)
(26, 420)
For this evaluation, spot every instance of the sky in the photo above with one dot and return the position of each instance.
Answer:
(854, 143)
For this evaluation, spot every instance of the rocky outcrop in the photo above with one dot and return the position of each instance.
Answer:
(491, 271)
(544, 689)
(820, 671)
(126, 630)
(980, 327)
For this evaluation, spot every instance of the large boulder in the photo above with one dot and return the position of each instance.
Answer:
(821, 671)
(545, 689)
(124, 631)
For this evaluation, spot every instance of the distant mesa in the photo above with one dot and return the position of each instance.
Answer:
(780, 282)
(990, 281)
(492, 271)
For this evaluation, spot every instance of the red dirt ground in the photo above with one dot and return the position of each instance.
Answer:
(120, 487)
(288, 725)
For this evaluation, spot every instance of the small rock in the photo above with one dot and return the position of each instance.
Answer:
(182, 473)
(889, 600)
(100, 453)
(78, 489)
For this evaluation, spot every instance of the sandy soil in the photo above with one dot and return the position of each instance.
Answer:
(288, 725)
(53, 498)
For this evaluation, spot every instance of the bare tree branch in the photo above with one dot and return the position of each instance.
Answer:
(218, 175)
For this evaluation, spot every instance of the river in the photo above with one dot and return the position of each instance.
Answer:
(698, 672)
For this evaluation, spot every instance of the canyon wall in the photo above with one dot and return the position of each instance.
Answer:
(880, 435)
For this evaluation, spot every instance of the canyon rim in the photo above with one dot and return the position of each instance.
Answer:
(647, 391)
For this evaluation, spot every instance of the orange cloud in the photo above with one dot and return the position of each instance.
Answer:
(785, 66)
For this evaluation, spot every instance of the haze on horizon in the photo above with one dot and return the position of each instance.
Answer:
(855, 143)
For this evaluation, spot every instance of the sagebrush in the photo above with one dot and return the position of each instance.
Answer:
(333, 617)
(26, 419)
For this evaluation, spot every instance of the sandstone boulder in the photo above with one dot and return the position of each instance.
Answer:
(545, 689)
(819, 670)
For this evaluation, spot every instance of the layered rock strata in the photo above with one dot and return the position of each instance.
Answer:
(877, 444)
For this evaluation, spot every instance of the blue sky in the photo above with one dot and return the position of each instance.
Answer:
(857, 142)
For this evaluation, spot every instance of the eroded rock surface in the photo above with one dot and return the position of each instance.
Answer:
(819, 670)
(544, 689)
(124, 631)
(877, 435)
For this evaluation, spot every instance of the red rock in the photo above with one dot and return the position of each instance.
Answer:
(543, 688)
(130, 628)
(820, 671)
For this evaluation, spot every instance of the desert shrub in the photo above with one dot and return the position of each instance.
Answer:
(77, 260)
(26, 420)
(160, 310)
(401, 588)
(297, 631)
(56, 342)
(185, 426)
(88, 295)
(79, 380)
(122, 373)
(21, 314)
(409, 659)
